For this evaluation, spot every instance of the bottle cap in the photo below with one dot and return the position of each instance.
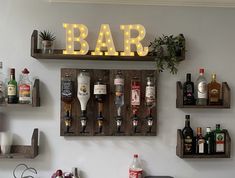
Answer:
(187, 116)
(201, 71)
(25, 71)
(213, 76)
(188, 76)
(217, 125)
(199, 130)
(208, 129)
(135, 155)
(12, 70)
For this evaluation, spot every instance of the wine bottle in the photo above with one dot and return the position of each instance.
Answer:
(188, 91)
(187, 133)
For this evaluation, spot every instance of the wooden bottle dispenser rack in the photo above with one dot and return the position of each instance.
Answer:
(109, 127)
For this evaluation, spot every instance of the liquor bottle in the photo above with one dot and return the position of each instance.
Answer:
(135, 101)
(2, 86)
(119, 97)
(25, 88)
(83, 95)
(209, 141)
(12, 88)
(219, 140)
(188, 91)
(201, 85)
(135, 169)
(150, 100)
(200, 142)
(100, 91)
(187, 133)
(214, 91)
(67, 96)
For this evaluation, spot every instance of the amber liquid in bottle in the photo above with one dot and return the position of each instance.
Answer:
(214, 91)
(200, 142)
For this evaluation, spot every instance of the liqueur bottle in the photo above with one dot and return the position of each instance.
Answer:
(187, 133)
(67, 96)
(25, 88)
(12, 88)
(135, 102)
(2, 86)
(83, 95)
(214, 91)
(200, 142)
(219, 140)
(201, 85)
(100, 92)
(135, 169)
(209, 141)
(188, 91)
(119, 98)
(150, 100)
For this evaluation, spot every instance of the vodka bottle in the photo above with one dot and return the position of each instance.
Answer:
(201, 85)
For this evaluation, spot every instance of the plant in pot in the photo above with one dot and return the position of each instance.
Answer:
(168, 52)
(47, 40)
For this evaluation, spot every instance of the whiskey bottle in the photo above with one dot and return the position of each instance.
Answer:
(135, 101)
(209, 141)
(25, 88)
(200, 142)
(83, 95)
(187, 133)
(188, 91)
(119, 97)
(201, 85)
(219, 140)
(100, 92)
(12, 88)
(214, 91)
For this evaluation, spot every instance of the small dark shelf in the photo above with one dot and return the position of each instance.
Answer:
(180, 148)
(24, 151)
(35, 98)
(225, 98)
(58, 54)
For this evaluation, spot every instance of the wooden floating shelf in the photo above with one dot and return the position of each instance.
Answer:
(58, 54)
(35, 98)
(225, 98)
(22, 152)
(180, 148)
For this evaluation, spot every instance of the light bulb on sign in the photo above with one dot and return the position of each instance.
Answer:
(141, 51)
(105, 40)
(71, 39)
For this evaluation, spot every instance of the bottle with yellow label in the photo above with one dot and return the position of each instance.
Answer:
(214, 91)
(25, 88)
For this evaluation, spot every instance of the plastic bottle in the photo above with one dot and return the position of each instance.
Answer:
(135, 169)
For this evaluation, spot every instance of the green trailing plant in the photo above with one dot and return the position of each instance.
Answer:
(168, 52)
(47, 35)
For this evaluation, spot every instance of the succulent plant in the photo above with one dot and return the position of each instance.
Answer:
(47, 35)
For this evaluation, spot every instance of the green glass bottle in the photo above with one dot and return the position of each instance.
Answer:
(12, 88)
(219, 140)
(209, 141)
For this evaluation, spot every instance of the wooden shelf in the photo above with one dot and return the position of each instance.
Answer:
(225, 98)
(24, 151)
(35, 98)
(180, 148)
(58, 54)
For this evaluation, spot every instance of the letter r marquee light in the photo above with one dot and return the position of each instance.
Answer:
(104, 45)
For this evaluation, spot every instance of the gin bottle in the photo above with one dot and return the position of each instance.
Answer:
(201, 85)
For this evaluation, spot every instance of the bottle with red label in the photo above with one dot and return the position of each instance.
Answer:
(135, 169)
(135, 101)
(25, 88)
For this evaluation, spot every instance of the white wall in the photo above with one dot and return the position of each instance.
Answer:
(210, 44)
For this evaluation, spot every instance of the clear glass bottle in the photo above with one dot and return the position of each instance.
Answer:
(214, 91)
(187, 133)
(25, 88)
(2, 86)
(201, 85)
(135, 169)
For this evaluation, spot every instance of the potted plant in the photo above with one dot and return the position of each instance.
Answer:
(168, 52)
(47, 38)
